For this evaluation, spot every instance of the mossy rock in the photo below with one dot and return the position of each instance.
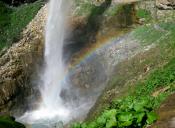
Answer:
(9, 122)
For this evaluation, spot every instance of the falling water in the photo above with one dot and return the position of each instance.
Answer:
(54, 68)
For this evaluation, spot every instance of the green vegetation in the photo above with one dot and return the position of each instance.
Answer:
(148, 34)
(127, 112)
(9, 122)
(136, 109)
(14, 19)
(83, 7)
(156, 33)
(145, 14)
(86, 8)
(4, 22)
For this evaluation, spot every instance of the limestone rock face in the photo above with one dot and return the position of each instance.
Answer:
(18, 62)
(165, 4)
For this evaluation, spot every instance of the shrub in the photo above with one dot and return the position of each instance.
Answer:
(14, 19)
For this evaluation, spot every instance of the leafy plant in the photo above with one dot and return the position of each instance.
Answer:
(128, 112)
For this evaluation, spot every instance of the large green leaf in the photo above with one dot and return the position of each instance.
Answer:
(139, 116)
(139, 105)
(111, 123)
(101, 120)
(93, 125)
(151, 117)
(110, 113)
(125, 119)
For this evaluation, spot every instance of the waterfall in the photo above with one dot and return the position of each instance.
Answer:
(52, 75)
(54, 67)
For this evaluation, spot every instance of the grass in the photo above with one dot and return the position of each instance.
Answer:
(14, 19)
(155, 33)
(160, 78)
(123, 110)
